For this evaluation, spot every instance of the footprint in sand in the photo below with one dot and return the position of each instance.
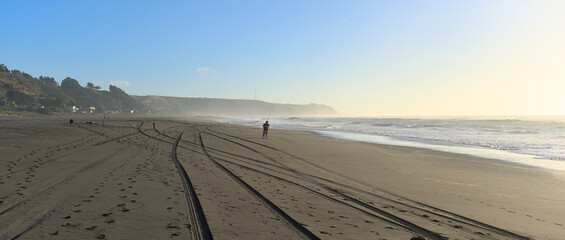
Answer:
(69, 225)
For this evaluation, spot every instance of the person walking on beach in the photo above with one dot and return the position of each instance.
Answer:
(265, 129)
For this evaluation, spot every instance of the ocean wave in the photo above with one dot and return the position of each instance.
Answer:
(542, 138)
(524, 132)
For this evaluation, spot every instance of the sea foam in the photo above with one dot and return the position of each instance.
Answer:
(537, 142)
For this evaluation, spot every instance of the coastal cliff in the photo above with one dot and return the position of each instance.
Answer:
(230, 107)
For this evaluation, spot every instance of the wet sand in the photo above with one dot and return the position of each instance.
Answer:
(115, 181)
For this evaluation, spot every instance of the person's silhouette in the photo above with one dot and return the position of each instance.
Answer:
(265, 129)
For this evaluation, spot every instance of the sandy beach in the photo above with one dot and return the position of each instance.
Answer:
(171, 178)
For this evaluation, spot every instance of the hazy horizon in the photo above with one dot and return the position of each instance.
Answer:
(363, 58)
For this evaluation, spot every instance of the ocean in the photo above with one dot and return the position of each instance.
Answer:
(533, 141)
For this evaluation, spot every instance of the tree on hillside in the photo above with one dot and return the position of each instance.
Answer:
(20, 99)
(116, 91)
(48, 80)
(127, 102)
(3, 68)
(90, 85)
(53, 96)
(81, 96)
(70, 84)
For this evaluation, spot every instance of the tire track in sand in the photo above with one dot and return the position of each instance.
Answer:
(424, 207)
(291, 222)
(200, 229)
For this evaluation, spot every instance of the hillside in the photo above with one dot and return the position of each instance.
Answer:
(20, 91)
(230, 107)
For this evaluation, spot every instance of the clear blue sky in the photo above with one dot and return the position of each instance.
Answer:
(362, 57)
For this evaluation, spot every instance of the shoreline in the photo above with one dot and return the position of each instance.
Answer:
(455, 179)
(492, 154)
(478, 151)
(462, 178)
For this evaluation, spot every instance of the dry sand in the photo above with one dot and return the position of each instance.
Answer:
(114, 181)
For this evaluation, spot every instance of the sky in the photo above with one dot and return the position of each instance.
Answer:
(364, 58)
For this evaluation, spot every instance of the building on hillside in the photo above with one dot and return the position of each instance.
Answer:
(72, 108)
(37, 106)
